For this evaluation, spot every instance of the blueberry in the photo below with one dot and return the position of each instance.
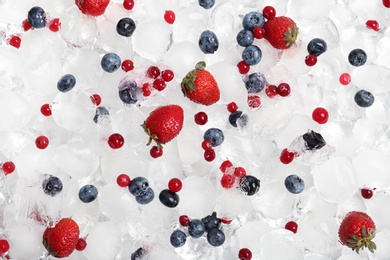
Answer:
(211, 221)
(255, 82)
(357, 57)
(215, 237)
(129, 92)
(178, 238)
(52, 186)
(253, 19)
(208, 42)
(100, 113)
(36, 17)
(252, 55)
(206, 4)
(249, 184)
(169, 198)
(110, 62)
(66, 83)
(238, 118)
(244, 38)
(294, 184)
(125, 27)
(138, 254)
(88, 193)
(364, 98)
(316, 47)
(215, 136)
(146, 197)
(196, 228)
(313, 140)
(138, 186)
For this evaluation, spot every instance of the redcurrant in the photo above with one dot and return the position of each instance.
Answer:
(232, 107)
(26, 25)
(209, 155)
(373, 24)
(96, 99)
(271, 91)
(286, 156)
(345, 79)
(167, 75)
(320, 115)
(153, 72)
(159, 84)
(258, 32)
(207, 145)
(254, 101)
(55, 25)
(243, 68)
(127, 65)
(284, 89)
(244, 254)
(4, 246)
(227, 181)
(8, 167)
(184, 220)
(292, 226)
(269, 12)
(128, 4)
(311, 60)
(225, 165)
(41, 142)
(367, 193)
(81, 244)
(15, 41)
(123, 180)
(169, 16)
(239, 172)
(46, 110)
(116, 141)
(146, 90)
(201, 118)
(156, 152)
(175, 185)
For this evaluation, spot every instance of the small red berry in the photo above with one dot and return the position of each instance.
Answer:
(209, 155)
(244, 254)
(373, 24)
(175, 185)
(55, 25)
(269, 12)
(159, 84)
(96, 99)
(116, 141)
(201, 118)
(156, 152)
(127, 65)
(292, 226)
(123, 180)
(128, 4)
(386, 3)
(258, 32)
(169, 16)
(226, 221)
(26, 25)
(167, 75)
(81, 244)
(284, 89)
(345, 79)
(243, 68)
(320, 115)
(41, 142)
(207, 145)
(153, 72)
(4, 246)
(367, 193)
(225, 165)
(15, 41)
(254, 101)
(286, 156)
(239, 172)
(311, 60)
(232, 107)
(46, 110)
(146, 90)
(271, 91)
(184, 220)
(227, 181)
(8, 167)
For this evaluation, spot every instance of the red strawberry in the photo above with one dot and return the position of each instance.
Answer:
(200, 86)
(61, 240)
(164, 124)
(92, 7)
(357, 230)
(281, 32)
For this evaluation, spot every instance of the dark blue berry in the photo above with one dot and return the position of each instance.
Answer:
(138, 186)
(66, 83)
(196, 228)
(211, 221)
(88, 193)
(313, 140)
(138, 254)
(255, 82)
(36, 17)
(215, 136)
(249, 184)
(253, 19)
(178, 238)
(100, 113)
(206, 4)
(208, 42)
(169, 198)
(294, 184)
(129, 92)
(252, 55)
(145, 197)
(125, 27)
(215, 237)
(238, 118)
(357, 57)
(110, 62)
(52, 186)
(364, 98)
(316, 47)
(245, 38)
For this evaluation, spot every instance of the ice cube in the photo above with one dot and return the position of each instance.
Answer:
(281, 244)
(311, 256)
(14, 110)
(248, 235)
(309, 9)
(379, 214)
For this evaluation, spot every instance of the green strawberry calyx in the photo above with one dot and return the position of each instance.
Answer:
(187, 84)
(356, 243)
(152, 137)
(291, 36)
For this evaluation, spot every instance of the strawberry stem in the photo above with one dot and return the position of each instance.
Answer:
(152, 137)
(187, 84)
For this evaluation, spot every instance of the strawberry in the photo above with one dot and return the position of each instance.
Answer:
(164, 123)
(92, 7)
(281, 32)
(357, 230)
(61, 240)
(200, 86)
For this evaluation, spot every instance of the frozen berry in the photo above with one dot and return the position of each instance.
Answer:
(153, 72)
(52, 186)
(128, 4)
(271, 91)
(227, 181)
(284, 89)
(311, 60)
(232, 107)
(168, 198)
(127, 65)
(81, 244)
(292, 226)
(15, 41)
(269, 12)
(4, 246)
(201, 118)
(123, 180)
(367, 193)
(156, 151)
(96, 99)
(320, 115)
(225, 165)
(286, 156)
(258, 32)
(55, 25)
(373, 24)
(169, 16)
(41, 142)
(244, 254)
(239, 172)
(209, 155)
(8, 167)
(175, 185)
(46, 110)
(184, 220)
(345, 79)
(167, 75)
(116, 141)
(207, 145)
(159, 84)
(88, 193)
(243, 68)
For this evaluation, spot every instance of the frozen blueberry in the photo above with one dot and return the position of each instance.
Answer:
(208, 42)
(357, 57)
(253, 19)
(215, 136)
(215, 237)
(138, 254)
(249, 184)
(138, 186)
(364, 98)
(36, 17)
(211, 221)
(169, 198)
(110, 62)
(129, 92)
(252, 55)
(88, 193)
(100, 113)
(316, 47)
(66, 83)
(244, 38)
(52, 186)
(238, 118)
(294, 184)
(313, 140)
(145, 197)
(196, 228)
(178, 238)
(255, 82)
(206, 4)
(125, 27)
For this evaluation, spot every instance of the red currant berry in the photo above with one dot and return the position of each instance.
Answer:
(169, 16)
(292, 226)
(258, 32)
(81, 244)
(8, 167)
(146, 90)
(243, 68)
(284, 89)
(167, 75)
(128, 4)
(201, 118)
(373, 24)
(26, 25)
(386, 3)
(55, 25)
(41, 142)
(207, 145)
(15, 41)
(156, 152)
(227, 181)
(254, 101)
(269, 12)
(123, 180)
(209, 155)
(286, 156)
(345, 79)
(116, 141)
(311, 60)
(96, 99)
(46, 110)
(271, 91)
(127, 65)
(232, 107)
(159, 84)
(366, 193)
(4, 246)
(153, 72)
(175, 185)
(225, 165)
(320, 115)
(239, 172)
(184, 220)
(244, 254)
(226, 221)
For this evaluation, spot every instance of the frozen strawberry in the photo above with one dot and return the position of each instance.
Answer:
(281, 32)
(92, 7)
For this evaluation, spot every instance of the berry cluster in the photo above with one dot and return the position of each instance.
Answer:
(236, 117)
(169, 197)
(139, 187)
(316, 47)
(213, 137)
